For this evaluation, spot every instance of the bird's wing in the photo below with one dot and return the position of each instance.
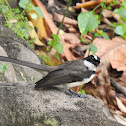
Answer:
(61, 76)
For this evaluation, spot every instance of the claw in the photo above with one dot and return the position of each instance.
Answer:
(74, 94)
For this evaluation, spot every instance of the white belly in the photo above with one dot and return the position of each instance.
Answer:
(78, 83)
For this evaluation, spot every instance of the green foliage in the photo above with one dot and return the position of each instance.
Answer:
(56, 44)
(93, 48)
(82, 40)
(51, 121)
(3, 68)
(20, 25)
(45, 58)
(122, 11)
(26, 5)
(103, 34)
(2, 2)
(16, 20)
(4, 8)
(57, 55)
(112, 3)
(87, 22)
(120, 28)
(81, 90)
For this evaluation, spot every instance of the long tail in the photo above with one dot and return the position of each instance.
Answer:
(28, 64)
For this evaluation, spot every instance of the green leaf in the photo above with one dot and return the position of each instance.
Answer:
(104, 35)
(8, 25)
(87, 22)
(109, 8)
(116, 11)
(119, 30)
(57, 55)
(23, 3)
(56, 38)
(115, 24)
(3, 68)
(124, 3)
(93, 48)
(115, 2)
(56, 44)
(38, 10)
(82, 91)
(82, 40)
(122, 12)
(33, 15)
(4, 8)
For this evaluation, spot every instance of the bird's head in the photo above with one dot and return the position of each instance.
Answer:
(92, 62)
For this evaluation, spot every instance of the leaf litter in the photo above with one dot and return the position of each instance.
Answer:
(109, 84)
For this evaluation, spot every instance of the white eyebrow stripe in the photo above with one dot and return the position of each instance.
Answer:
(95, 57)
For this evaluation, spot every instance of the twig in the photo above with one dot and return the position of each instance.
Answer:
(91, 4)
(117, 86)
(69, 3)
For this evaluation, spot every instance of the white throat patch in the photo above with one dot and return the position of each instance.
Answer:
(90, 65)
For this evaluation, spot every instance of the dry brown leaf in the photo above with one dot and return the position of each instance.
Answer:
(112, 51)
(48, 58)
(34, 36)
(121, 106)
(123, 100)
(120, 119)
(73, 38)
(122, 79)
(107, 13)
(58, 17)
(109, 51)
(38, 23)
(54, 30)
(71, 28)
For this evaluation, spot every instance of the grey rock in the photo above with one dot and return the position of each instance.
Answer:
(22, 105)
(17, 48)
(9, 74)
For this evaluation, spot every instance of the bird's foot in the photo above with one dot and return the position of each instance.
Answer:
(74, 94)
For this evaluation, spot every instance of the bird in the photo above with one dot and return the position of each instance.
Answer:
(71, 73)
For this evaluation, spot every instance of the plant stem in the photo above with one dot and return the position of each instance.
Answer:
(103, 7)
(25, 7)
(97, 7)
(69, 3)
(7, 4)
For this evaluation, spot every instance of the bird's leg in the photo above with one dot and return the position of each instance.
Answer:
(74, 94)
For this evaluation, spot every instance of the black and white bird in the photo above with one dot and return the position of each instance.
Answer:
(71, 73)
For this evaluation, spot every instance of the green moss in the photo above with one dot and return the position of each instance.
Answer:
(51, 122)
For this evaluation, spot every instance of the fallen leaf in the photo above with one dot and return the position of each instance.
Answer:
(34, 36)
(38, 23)
(73, 38)
(58, 17)
(120, 119)
(54, 30)
(121, 106)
